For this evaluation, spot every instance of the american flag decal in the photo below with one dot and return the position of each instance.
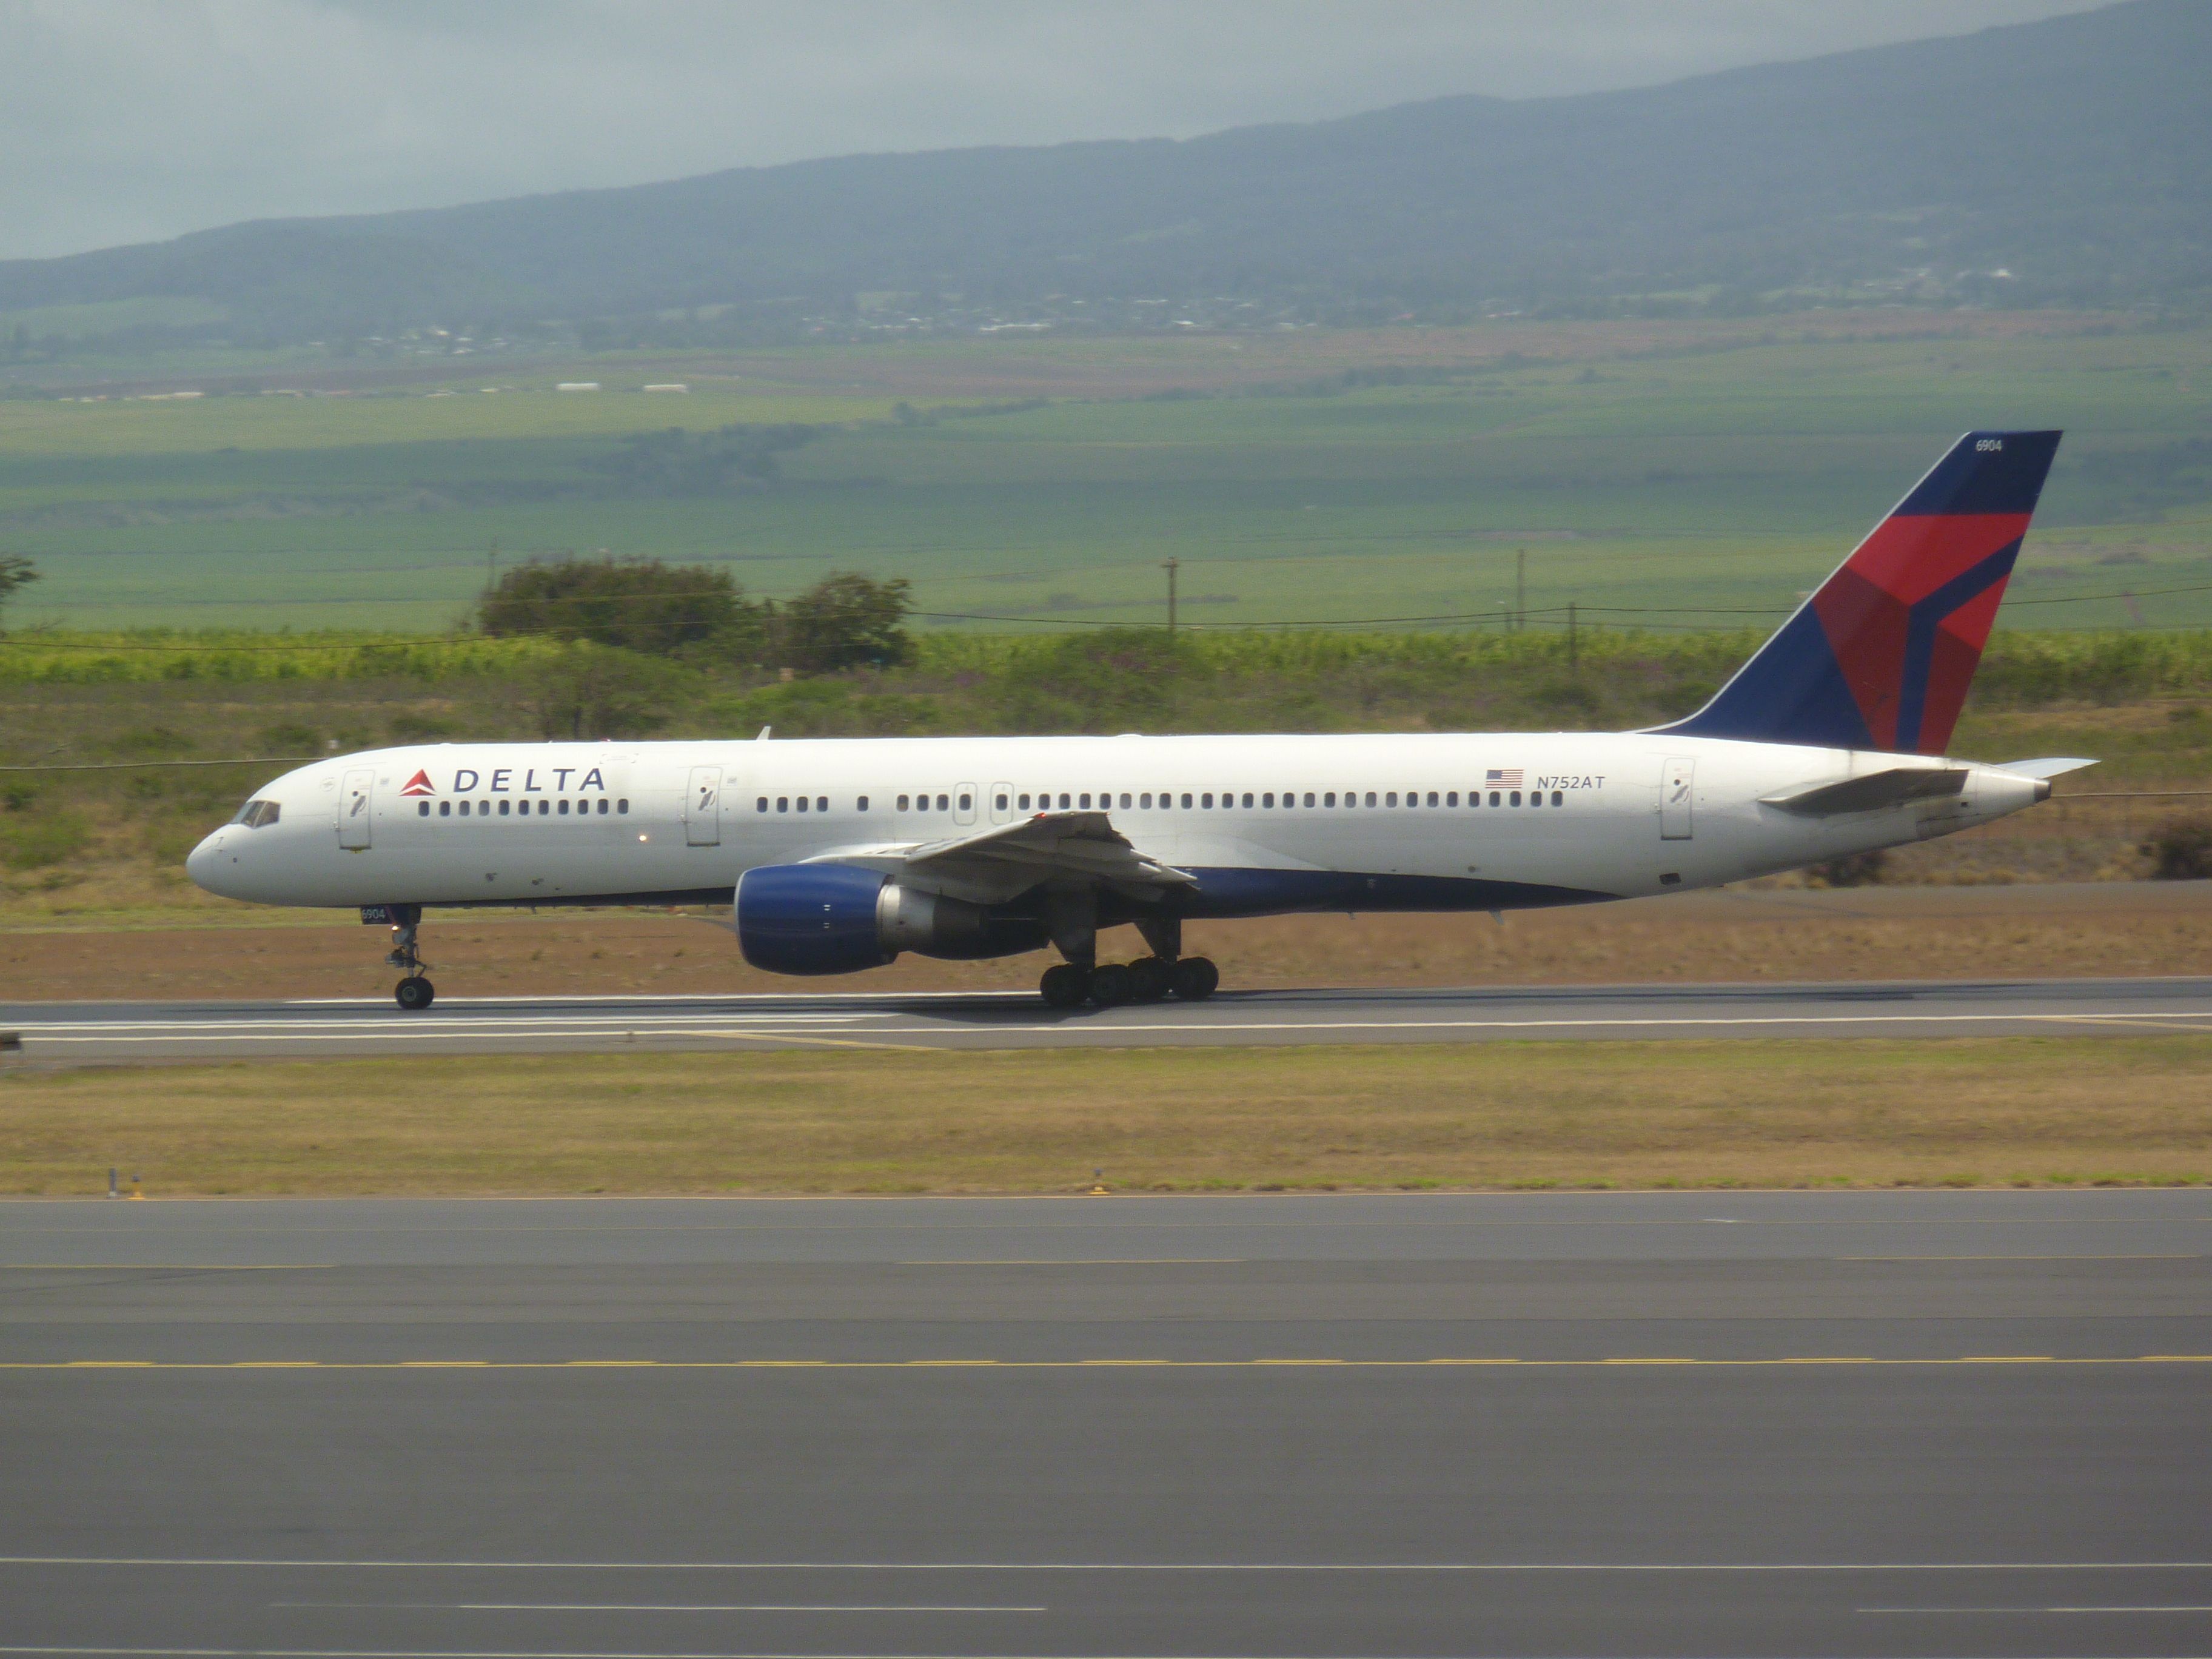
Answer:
(1508, 778)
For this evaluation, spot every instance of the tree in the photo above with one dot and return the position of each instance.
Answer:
(595, 691)
(15, 572)
(843, 621)
(635, 604)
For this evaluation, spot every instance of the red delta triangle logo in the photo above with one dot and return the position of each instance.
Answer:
(420, 784)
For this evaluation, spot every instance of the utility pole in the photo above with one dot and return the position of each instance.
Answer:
(1574, 658)
(1520, 588)
(1171, 566)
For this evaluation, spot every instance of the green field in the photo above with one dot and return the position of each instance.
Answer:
(1668, 475)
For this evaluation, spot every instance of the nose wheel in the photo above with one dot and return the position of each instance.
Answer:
(414, 993)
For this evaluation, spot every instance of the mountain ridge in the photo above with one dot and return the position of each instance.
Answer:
(2063, 161)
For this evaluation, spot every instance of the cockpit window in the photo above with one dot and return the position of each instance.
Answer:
(255, 813)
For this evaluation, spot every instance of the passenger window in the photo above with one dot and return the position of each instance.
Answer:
(940, 804)
(602, 808)
(1493, 798)
(1205, 801)
(1370, 798)
(445, 809)
(1247, 797)
(564, 809)
(1452, 799)
(1390, 799)
(1559, 798)
(1125, 800)
(902, 803)
(1063, 800)
(1310, 797)
(967, 803)
(1186, 803)
(1329, 799)
(1144, 801)
(998, 803)
(465, 809)
(621, 806)
(1268, 799)
(761, 805)
(783, 803)
(1432, 798)
(802, 803)
(861, 805)
(505, 809)
(422, 809)
(544, 807)
(1516, 801)
(1023, 802)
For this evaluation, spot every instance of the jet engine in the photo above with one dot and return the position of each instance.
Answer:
(839, 919)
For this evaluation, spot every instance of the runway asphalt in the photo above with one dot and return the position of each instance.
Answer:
(1894, 1422)
(111, 1032)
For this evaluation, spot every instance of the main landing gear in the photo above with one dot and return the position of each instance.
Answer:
(414, 993)
(1111, 984)
(1165, 973)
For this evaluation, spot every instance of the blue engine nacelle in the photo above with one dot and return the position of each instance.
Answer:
(839, 919)
(811, 918)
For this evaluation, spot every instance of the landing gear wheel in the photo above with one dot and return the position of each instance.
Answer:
(1064, 986)
(1112, 985)
(1195, 979)
(414, 993)
(1152, 978)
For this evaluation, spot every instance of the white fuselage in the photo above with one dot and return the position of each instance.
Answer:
(1266, 824)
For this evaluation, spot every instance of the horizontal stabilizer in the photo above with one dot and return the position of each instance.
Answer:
(2051, 767)
(1872, 791)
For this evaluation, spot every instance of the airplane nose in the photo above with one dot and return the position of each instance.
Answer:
(200, 864)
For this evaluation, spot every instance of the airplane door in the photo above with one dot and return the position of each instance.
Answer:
(1002, 803)
(356, 803)
(1677, 784)
(702, 807)
(963, 805)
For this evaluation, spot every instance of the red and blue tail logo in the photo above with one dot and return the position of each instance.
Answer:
(1881, 656)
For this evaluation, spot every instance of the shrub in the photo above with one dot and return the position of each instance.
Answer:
(2180, 849)
(1852, 870)
(635, 604)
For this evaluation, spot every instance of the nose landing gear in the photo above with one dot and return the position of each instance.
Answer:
(413, 993)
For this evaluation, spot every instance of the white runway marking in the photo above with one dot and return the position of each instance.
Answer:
(379, 1565)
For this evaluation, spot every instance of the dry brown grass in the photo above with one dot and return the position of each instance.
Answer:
(1755, 1114)
(2114, 928)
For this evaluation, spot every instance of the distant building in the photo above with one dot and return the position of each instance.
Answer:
(577, 385)
(669, 386)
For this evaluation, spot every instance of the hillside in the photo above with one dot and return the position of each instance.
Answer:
(2059, 162)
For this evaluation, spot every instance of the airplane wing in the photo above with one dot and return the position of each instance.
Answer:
(1872, 791)
(1011, 857)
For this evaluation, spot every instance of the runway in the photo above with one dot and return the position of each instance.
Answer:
(1958, 1423)
(111, 1032)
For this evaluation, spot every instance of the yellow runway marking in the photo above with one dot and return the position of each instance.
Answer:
(783, 1039)
(1077, 1364)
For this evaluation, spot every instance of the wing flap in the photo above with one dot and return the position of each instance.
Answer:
(1083, 846)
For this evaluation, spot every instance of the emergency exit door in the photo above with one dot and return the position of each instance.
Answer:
(702, 807)
(1677, 788)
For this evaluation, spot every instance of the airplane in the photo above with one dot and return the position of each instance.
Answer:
(835, 855)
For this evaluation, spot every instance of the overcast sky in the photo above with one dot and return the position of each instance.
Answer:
(129, 120)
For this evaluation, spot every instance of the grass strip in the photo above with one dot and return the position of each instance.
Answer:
(2028, 1111)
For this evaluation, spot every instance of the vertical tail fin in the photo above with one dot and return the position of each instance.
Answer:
(1881, 656)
